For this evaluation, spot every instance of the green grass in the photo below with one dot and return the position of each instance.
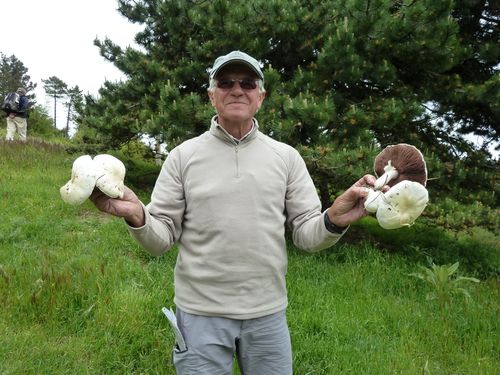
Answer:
(78, 296)
(365, 315)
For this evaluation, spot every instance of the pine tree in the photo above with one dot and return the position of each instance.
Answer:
(75, 99)
(343, 77)
(57, 89)
(13, 74)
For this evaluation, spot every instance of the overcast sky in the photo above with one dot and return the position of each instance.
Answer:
(55, 38)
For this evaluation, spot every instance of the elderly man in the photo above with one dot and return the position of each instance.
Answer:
(226, 197)
(16, 120)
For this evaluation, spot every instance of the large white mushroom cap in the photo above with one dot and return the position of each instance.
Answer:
(402, 205)
(111, 173)
(82, 183)
(105, 171)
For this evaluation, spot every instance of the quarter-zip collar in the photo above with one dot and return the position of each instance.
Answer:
(221, 133)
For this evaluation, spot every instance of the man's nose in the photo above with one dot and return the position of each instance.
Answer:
(237, 87)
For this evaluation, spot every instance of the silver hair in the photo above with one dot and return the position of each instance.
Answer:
(212, 85)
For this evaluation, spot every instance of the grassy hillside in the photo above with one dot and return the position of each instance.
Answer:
(78, 296)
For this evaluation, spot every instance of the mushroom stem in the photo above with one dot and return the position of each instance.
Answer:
(389, 174)
(373, 200)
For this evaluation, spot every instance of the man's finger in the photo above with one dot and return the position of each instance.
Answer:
(367, 179)
(359, 191)
(96, 193)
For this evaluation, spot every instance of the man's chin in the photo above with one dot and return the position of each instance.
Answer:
(238, 112)
(236, 117)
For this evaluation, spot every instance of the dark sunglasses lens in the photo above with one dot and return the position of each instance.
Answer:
(225, 83)
(248, 84)
(245, 84)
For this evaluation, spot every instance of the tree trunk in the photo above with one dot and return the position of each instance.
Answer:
(324, 194)
(158, 151)
(55, 111)
(67, 119)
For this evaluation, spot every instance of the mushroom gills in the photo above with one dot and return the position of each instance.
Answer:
(400, 162)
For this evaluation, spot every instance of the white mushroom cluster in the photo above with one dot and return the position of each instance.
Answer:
(105, 172)
(403, 168)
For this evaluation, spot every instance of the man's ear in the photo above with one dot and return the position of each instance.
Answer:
(262, 96)
(212, 99)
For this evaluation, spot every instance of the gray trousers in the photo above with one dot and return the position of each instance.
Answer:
(262, 345)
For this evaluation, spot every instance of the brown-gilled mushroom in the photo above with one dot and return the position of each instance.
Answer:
(403, 168)
(104, 171)
(82, 183)
(398, 163)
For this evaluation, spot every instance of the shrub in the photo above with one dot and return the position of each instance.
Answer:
(41, 125)
(450, 214)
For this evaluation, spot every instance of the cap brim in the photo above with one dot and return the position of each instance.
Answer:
(214, 72)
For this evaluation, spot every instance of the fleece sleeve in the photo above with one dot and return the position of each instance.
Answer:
(165, 212)
(303, 208)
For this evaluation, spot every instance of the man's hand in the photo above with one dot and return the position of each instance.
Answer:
(349, 207)
(129, 207)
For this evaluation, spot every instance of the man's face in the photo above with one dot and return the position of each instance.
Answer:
(236, 104)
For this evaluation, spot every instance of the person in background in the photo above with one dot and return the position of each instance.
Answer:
(226, 197)
(17, 120)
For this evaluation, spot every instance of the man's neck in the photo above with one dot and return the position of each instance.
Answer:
(237, 129)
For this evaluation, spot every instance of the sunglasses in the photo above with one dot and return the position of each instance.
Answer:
(245, 83)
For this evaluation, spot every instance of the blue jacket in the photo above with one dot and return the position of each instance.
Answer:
(23, 107)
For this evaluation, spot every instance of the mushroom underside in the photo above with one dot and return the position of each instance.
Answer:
(398, 163)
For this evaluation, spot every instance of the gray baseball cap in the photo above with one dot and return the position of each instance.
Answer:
(236, 57)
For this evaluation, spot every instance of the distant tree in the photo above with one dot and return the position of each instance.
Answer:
(75, 98)
(13, 74)
(57, 89)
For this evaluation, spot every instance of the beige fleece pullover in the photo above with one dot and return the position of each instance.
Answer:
(226, 203)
